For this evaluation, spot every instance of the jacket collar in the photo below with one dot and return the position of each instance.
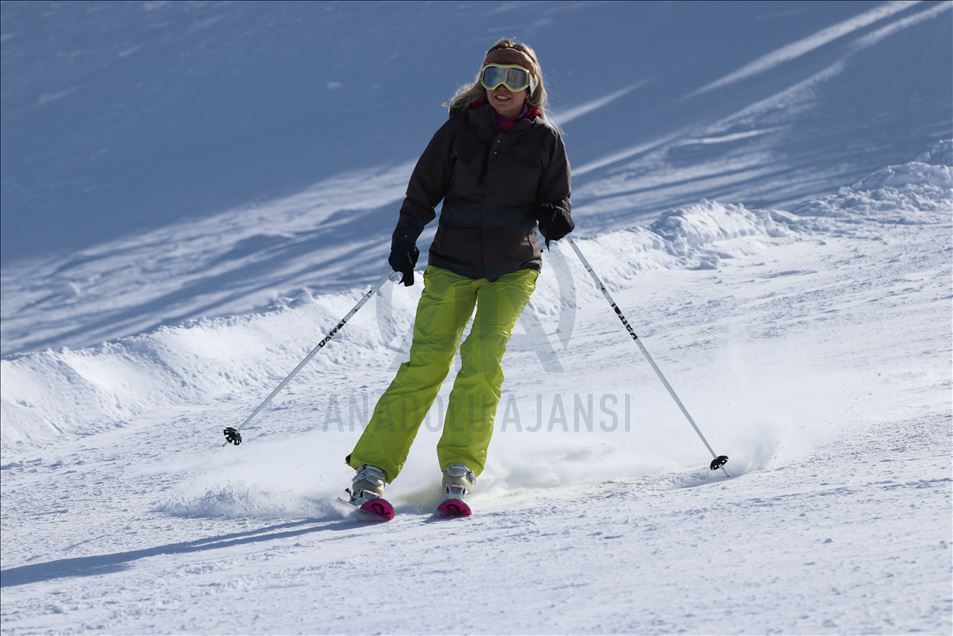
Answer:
(482, 117)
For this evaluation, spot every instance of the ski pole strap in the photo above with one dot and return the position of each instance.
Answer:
(232, 436)
(718, 461)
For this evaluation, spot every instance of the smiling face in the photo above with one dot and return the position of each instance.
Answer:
(505, 102)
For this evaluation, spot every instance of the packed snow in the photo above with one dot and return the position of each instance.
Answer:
(791, 277)
(812, 346)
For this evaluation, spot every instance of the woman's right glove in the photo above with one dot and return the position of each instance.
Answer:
(554, 222)
(403, 257)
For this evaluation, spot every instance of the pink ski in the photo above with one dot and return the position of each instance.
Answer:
(454, 508)
(373, 510)
(379, 508)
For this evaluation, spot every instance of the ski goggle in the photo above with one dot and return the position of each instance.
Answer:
(513, 77)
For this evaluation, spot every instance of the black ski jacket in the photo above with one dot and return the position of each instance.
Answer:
(493, 185)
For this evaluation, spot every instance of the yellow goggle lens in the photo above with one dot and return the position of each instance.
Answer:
(515, 78)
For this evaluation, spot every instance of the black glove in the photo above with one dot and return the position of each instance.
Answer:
(554, 222)
(403, 257)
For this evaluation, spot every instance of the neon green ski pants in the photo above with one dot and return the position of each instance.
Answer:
(445, 306)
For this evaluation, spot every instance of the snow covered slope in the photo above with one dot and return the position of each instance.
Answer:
(267, 164)
(766, 189)
(813, 346)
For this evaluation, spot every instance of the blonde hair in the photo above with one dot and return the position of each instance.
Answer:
(469, 93)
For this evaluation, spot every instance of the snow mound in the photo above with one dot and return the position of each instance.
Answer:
(941, 153)
(697, 237)
(902, 194)
(702, 234)
(912, 177)
(49, 394)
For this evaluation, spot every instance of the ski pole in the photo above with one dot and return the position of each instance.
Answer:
(718, 461)
(231, 434)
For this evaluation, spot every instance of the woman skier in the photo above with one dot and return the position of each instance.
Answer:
(501, 170)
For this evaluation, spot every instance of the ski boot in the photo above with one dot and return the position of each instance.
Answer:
(457, 484)
(367, 492)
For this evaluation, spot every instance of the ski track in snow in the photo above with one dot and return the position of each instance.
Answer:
(812, 346)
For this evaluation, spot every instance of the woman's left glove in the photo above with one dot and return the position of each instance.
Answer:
(554, 222)
(403, 257)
